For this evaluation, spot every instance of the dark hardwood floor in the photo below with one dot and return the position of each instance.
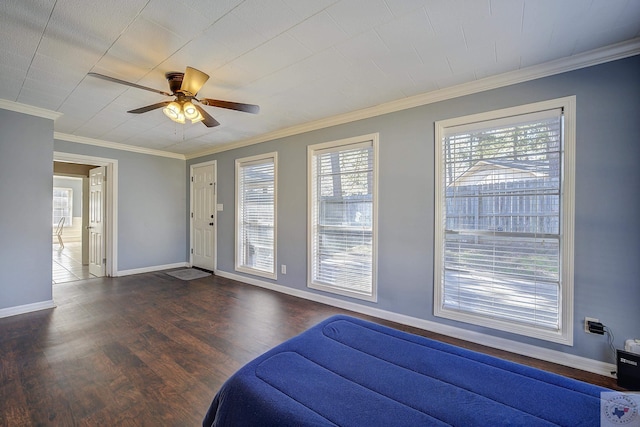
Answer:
(153, 350)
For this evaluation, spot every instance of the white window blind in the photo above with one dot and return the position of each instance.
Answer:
(501, 222)
(256, 213)
(342, 218)
(62, 205)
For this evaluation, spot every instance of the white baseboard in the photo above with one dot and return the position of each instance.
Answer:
(554, 356)
(27, 308)
(151, 269)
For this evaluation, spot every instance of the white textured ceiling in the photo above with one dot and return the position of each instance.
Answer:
(300, 60)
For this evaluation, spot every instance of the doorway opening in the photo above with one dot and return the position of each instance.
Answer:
(70, 261)
(87, 246)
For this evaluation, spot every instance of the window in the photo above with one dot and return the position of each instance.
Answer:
(62, 206)
(504, 219)
(256, 189)
(342, 216)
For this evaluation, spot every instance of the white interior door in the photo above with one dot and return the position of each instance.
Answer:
(203, 216)
(96, 226)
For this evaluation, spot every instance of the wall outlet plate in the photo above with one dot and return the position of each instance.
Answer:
(586, 323)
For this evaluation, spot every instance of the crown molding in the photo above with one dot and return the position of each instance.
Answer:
(116, 145)
(582, 60)
(5, 104)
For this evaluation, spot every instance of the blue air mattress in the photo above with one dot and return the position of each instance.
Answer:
(349, 372)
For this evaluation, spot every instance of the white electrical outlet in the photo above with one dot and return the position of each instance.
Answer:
(283, 269)
(586, 323)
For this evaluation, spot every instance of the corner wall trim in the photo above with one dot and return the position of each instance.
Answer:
(27, 308)
(151, 269)
(554, 356)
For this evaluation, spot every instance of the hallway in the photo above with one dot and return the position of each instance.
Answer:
(67, 264)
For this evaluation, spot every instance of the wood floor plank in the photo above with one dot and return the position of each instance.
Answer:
(15, 410)
(151, 349)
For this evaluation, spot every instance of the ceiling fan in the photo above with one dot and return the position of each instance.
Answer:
(185, 87)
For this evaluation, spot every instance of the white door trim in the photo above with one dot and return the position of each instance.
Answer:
(215, 240)
(111, 210)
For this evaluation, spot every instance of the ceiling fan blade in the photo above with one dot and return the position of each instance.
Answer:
(247, 108)
(208, 120)
(193, 81)
(149, 107)
(123, 82)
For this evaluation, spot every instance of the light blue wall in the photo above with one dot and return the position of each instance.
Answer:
(151, 206)
(607, 221)
(26, 174)
(74, 184)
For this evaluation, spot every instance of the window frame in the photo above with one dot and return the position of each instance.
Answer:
(239, 164)
(564, 335)
(371, 140)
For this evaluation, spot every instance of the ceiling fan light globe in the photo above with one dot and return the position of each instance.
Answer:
(190, 111)
(173, 111)
(169, 113)
(199, 118)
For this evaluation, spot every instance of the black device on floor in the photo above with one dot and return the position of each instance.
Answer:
(628, 370)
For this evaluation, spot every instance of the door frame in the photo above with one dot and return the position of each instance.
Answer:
(215, 211)
(111, 201)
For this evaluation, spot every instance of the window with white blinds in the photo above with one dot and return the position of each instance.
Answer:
(62, 206)
(256, 188)
(342, 217)
(504, 220)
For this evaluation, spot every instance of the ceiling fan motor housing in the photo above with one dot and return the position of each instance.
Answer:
(175, 80)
